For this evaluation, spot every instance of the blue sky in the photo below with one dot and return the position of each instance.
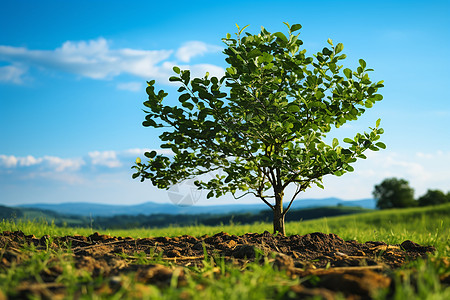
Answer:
(73, 73)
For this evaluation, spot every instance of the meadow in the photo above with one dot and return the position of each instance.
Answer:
(216, 279)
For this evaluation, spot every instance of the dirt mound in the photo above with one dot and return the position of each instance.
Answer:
(351, 268)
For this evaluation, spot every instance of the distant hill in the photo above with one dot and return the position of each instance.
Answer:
(151, 214)
(151, 208)
(9, 212)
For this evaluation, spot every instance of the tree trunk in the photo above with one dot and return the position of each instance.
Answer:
(278, 216)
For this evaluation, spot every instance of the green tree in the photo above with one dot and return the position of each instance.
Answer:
(393, 192)
(434, 197)
(264, 123)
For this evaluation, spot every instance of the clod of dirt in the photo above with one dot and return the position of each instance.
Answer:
(361, 282)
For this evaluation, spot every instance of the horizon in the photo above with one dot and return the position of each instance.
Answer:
(73, 78)
(195, 204)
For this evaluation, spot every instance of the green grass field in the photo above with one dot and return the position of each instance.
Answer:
(420, 280)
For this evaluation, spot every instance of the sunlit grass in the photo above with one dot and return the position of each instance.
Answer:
(428, 225)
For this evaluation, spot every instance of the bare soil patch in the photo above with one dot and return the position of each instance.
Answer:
(350, 268)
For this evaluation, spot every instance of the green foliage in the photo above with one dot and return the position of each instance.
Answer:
(393, 192)
(264, 122)
(434, 197)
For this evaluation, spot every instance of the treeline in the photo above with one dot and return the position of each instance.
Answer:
(9, 212)
(164, 220)
(396, 193)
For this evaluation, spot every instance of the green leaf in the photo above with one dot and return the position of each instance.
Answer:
(330, 41)
(381, 145)
(254, 53)
(377, 97)
(339, 173)
(293, 108)
(339, 48)
(362, 63)
(378, 123)
(368, 104)
(186, 76)
(335, 143)
(149, 123)
(184, 97)
(287, 125)
(265, 58)
(348, 73)
(319, 95)
(176, 69)
(326, 51)
(349, 141)
(150, 154)
(295, 27)
(243, 28)
(174, 78)
(188, 105)
(281, 36)
(231, 70)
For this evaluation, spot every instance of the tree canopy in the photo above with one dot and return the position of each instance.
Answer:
(434, 197)
(264, 123)
(394, 193)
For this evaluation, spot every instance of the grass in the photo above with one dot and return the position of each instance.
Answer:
(217, 280)
(428, 225)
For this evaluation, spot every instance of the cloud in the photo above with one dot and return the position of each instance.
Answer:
(110, 171)
(12, 73)
(46, 163)
(28, 169)
(130, 86)
(105, 158)
(422, 170)
(194, 48)
(96, 59)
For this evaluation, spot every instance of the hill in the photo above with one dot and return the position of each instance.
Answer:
(123, 221)
(153, 208)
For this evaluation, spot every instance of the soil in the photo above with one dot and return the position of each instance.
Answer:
(330, 264)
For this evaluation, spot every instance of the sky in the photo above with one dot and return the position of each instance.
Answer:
(73, 77)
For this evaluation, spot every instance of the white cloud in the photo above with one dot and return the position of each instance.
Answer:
(12, 73)
(105, 158)
(47, 163)
(8, 161)
(95, 59)
(194, 48)
(130, 86)
(111, 170)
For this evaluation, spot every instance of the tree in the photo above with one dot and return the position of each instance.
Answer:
(434, 197)
(393, 192)
(264, 123)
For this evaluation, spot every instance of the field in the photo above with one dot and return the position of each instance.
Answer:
(200, 262)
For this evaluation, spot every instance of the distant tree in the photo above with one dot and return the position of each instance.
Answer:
(393, 192)
(434, 197)
(263, 124)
